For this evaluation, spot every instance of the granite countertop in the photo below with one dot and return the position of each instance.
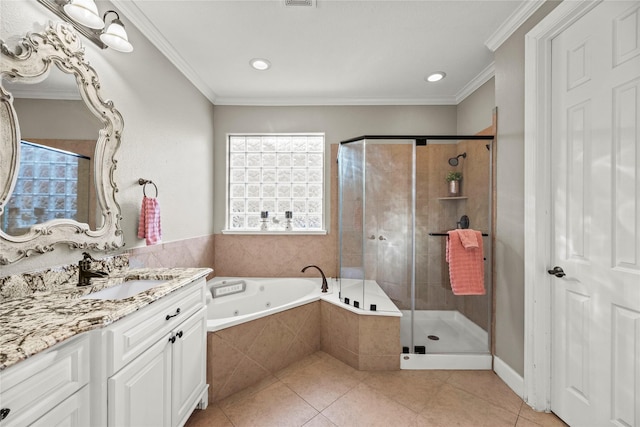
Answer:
(34, 322)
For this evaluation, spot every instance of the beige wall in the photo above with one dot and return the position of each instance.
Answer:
(285, 255)
(337, 122)
(55, 119)
(509, 251)
(474, 113)
(168, 133)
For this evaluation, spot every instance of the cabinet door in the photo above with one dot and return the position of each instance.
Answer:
(140, 393)
(73, 412)
(189, 365)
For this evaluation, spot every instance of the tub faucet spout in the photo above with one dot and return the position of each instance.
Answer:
(325, 285)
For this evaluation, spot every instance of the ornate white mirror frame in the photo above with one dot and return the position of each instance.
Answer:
(34, 57)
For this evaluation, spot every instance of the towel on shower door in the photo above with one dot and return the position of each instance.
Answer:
(466, 262)
(149, 224)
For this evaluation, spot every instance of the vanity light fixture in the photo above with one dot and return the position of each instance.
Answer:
(436, 77)
(84, 12)
(260, 64)
(83, 15)
(115, 36)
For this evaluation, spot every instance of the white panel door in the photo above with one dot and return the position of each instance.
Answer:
(595, 155)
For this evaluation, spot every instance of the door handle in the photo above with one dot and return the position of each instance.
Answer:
(557, 271)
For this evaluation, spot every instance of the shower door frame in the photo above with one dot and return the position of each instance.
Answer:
(422, 140)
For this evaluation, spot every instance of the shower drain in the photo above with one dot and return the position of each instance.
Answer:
(433, 337)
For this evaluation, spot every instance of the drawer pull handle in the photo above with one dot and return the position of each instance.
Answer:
(172, 339)
(179, 334)
(169, 316)
(4, 413)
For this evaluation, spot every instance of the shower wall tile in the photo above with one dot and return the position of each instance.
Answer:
(474, 307)
(400, 294)
(434, 262)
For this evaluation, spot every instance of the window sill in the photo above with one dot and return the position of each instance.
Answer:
(277, 232)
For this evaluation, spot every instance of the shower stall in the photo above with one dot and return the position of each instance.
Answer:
(395, 208)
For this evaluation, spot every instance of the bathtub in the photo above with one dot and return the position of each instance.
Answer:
(261, 297)
(265, 296)
(273, 322)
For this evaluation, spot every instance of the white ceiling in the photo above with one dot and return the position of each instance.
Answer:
(336, 52)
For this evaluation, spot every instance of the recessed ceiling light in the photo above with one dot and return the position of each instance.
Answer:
(260, 64)
(436, 77)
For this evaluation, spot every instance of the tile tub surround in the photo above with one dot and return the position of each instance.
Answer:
(33, 322)
(364, 342)
(246, 354)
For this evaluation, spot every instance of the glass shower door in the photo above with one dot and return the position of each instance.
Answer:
(351, 194)
(388, 223)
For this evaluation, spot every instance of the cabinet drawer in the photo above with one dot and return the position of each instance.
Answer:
(35, 386)
(73, 412)
(129, 337)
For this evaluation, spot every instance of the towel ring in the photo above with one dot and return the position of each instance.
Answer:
(144, 183)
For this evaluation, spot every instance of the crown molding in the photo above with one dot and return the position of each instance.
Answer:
(289, 102)
(512, 23)
(139, 19)
(475, 83)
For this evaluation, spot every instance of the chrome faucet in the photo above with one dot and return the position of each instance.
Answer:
(84, 270)
(325, 286)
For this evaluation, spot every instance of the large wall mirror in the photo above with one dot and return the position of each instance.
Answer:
(58, 140)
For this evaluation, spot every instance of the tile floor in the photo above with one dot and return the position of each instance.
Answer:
(322, 391)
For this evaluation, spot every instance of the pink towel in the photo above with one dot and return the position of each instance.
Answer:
(149, 224)
(466, 264)
(469, 238)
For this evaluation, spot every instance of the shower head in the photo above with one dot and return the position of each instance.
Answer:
(454, 160)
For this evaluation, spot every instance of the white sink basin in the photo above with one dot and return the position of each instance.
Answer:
(126, 289)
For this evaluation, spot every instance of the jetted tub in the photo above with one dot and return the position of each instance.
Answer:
(287, 325)
(261, 297)
(265, 296)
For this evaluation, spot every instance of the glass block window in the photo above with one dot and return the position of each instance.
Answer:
(47, 187)
(275, 182)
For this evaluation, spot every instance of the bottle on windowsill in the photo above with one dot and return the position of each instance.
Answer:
(288, 216)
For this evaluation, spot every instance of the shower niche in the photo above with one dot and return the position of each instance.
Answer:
(395, 209)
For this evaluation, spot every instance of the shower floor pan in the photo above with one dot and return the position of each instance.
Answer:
(460, 344)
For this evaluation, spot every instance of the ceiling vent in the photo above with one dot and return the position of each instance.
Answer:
(308, 3)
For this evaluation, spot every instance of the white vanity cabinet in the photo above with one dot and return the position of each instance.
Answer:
(156, 361)
(48, 389)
